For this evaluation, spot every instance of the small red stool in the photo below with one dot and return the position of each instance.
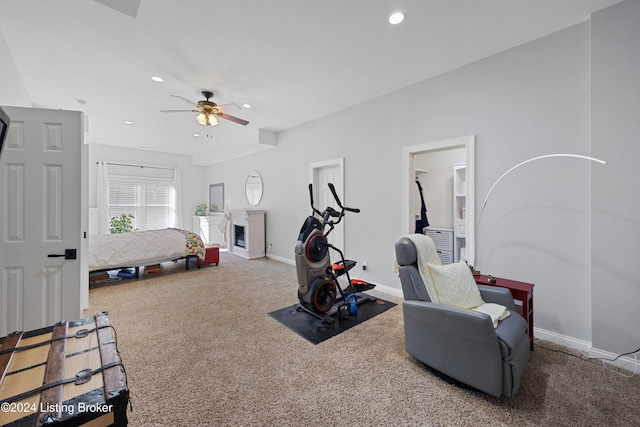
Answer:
(212, 256)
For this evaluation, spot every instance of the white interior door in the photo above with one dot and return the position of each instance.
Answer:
(40, 202)
(323, 174)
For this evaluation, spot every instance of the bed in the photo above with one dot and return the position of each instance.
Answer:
(143, 248)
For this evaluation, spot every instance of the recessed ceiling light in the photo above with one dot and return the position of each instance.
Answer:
(157, 79)
(196, 135)
(246, 105)
(128, 122)
(396, 18)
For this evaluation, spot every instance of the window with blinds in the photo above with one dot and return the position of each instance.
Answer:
(149, 200)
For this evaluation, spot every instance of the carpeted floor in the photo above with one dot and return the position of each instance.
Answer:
(201, 350)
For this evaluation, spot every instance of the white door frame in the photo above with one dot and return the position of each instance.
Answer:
(408, 178)
(317, 166)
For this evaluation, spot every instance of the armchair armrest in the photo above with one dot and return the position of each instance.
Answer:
(450, 320)
(497, 295)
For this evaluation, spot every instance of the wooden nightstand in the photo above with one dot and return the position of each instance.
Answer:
(522, 292)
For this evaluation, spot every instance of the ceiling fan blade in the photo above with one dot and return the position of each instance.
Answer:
(229, 107)
(232, 118)
(185, 99)
(179, 111)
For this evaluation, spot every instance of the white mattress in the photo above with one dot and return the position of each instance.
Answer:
(132, 249)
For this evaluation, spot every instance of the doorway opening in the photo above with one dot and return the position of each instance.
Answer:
(409, 155)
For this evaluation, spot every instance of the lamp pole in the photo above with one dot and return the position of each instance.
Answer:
(546, 156)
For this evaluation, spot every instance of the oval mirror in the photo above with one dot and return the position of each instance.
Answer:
(253, 188)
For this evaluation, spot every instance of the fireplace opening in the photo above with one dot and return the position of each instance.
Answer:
(238, 232)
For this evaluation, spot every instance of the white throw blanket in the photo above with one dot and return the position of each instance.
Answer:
(497, 312)
(427, 254)
(426, 250)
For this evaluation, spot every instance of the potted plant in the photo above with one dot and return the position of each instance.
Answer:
(201, 209)
(122, 224)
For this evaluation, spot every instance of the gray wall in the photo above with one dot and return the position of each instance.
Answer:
(616, 194)
(12, 90)
(525, 102)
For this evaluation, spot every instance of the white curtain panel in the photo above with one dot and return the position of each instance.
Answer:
(177, 198)
(104, 217)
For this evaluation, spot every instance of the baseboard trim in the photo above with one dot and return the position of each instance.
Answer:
(281, 259)
(625, 362)
(389, 290)
(567, 341)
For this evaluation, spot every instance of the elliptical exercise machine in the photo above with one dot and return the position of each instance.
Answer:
(319, 290)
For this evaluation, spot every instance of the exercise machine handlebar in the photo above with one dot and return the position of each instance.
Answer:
(335, 196)
(330, 212)
(313, 208)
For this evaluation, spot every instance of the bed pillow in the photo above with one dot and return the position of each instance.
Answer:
(455, 285)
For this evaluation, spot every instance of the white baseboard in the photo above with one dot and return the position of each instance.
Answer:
(281, 259)
(564, 340)
(389, 290)
(625, 362)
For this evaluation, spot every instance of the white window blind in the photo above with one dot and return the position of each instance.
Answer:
(147, 199)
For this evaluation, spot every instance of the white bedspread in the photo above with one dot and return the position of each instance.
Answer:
(131, 249)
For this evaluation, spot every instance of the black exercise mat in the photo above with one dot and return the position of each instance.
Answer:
(315, 330)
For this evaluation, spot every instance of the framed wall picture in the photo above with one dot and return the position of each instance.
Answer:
(216, 197)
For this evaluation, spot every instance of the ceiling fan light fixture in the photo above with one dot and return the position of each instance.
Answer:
(207, 119)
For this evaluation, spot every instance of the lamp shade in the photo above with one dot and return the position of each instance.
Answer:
(207, 119)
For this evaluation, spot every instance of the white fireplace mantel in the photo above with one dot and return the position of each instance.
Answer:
(246, 232)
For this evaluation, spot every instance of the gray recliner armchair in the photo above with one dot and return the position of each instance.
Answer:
(462, 343)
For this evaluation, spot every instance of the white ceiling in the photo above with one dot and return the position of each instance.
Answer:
(292, 60)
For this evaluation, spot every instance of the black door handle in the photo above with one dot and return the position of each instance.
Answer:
(68, 254)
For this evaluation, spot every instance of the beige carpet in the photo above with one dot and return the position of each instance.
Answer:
(200, 350)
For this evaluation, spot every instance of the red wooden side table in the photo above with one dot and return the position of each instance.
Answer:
(521, 291)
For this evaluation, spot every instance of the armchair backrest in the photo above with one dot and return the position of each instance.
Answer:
(408, 258)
